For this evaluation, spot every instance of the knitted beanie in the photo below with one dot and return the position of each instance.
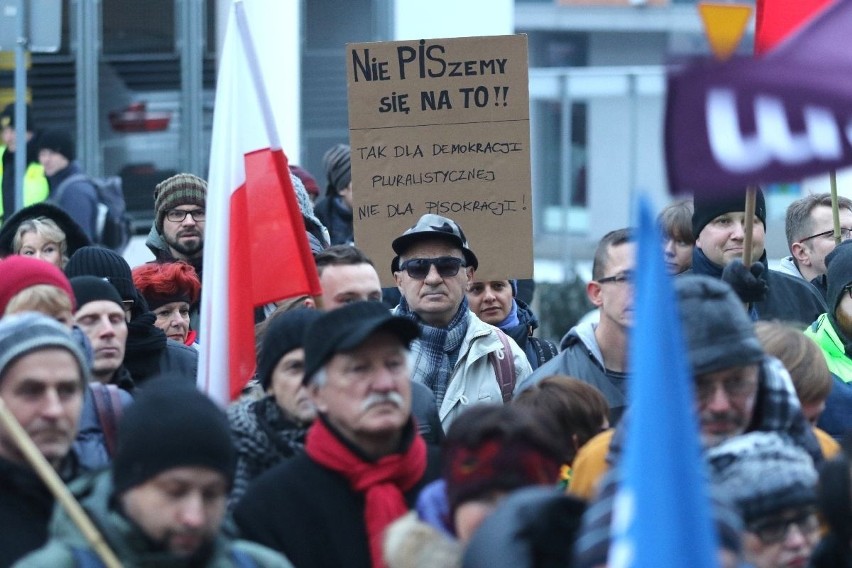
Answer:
(718, 331)
(103, 263)
(284, 334)
(180, 189)
(763, 474)
(29, 331)
(839, 265)
(337, 168)
(93, 289)
(170, 425)
(19, 272)
(708, 207)
(58, 141)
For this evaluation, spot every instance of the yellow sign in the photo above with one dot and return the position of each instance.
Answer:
(724, 26)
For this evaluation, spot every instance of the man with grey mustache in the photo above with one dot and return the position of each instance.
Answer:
(364, 460)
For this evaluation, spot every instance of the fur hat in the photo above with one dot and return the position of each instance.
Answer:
(718, 331)
(171, 424)
(75, 236)
(20, 272)
(337, 168)
(58, 141)
(180, 189)
(708, 207)
(763, 474)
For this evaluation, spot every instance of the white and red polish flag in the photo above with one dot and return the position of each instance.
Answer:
(255, 248)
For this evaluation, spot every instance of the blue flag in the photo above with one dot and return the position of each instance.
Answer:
(662, 513)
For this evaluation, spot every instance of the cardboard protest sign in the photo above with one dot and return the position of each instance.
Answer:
(442, 126)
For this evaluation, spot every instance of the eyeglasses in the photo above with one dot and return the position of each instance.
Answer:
(178, 215)
(626, 276)
(734, 387)
(418, 268)
(844, 235)
(775, 531)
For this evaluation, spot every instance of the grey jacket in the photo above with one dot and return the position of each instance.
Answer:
(581, 358)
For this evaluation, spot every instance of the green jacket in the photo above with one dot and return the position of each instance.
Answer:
(126, 540)
(36, 188)
(832, 347)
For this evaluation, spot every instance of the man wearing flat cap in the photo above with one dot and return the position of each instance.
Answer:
(462, 359)
(364, 461)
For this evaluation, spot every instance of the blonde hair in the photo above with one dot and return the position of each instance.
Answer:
(42, 298)
(47, 229)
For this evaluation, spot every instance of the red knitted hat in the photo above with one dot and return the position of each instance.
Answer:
(18, 272)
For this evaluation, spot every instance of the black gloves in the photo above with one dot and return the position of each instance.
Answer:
(749, 283)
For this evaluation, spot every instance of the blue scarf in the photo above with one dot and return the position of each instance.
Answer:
(435, 354)
(512, 319)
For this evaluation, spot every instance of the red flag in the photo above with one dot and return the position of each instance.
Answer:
(256, 250)
(776, 19)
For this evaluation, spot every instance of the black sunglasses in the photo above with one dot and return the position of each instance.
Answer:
(418, 268)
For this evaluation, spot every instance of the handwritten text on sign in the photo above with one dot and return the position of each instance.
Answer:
(442, 126)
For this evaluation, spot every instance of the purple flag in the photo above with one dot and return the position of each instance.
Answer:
(779, 118)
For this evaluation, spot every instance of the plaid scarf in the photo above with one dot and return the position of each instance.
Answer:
(436, 352)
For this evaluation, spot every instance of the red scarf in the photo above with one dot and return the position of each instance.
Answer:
(382, 482)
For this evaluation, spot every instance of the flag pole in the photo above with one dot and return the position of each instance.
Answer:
(748, 225)
(50, 478)
(835, 209)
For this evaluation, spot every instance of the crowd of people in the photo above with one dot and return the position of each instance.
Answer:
(438, 431)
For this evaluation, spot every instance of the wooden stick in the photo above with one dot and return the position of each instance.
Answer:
(748, 225)
(835, 211)
(50, 478)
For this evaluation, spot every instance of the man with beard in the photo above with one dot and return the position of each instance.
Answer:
(163, 501)
(178, 231)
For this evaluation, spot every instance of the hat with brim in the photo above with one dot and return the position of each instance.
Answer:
(75, 236)
(346, 328)
(433, 227)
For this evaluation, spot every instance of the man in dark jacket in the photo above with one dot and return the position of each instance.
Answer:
(70, 188)
(718, 225)
(597, 353)
(42, 377)
(364, 460)
(149, 353)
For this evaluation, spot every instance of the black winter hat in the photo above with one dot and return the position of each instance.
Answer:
(338, 167)
(718, 331)
(75, 236)
(431, 226)
(839, 265)
(103, 263)
(92, 289)
(58, 141)
(171, 424)
(348, 327)
(7, 117)
(708, 207)
(284, 334)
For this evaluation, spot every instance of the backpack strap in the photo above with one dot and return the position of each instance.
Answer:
(60, 189)
(108, 407)
(544, 350)
(504, 367)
